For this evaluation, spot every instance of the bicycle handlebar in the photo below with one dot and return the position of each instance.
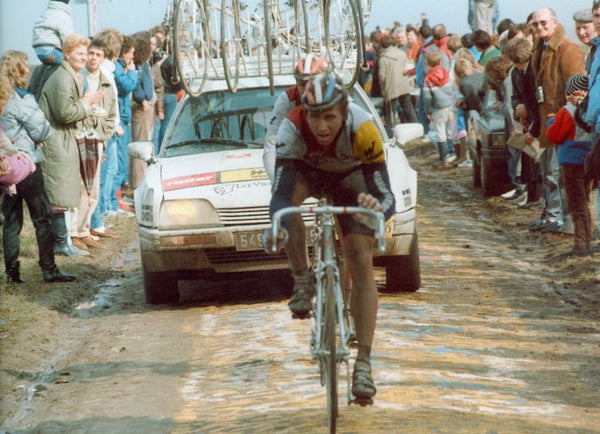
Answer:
(328, 209)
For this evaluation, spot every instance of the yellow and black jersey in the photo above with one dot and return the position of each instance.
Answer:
(358, 142)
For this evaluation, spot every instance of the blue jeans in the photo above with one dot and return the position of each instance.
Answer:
(108, 170)
(156, 134)
(122, 175)
(550, 171)
(49, 55)
(514, 166)
(170, 106)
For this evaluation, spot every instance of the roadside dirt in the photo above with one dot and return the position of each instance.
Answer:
(502, 337)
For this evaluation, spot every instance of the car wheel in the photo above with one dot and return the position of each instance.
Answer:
(403, 273)
(494, 179)
(160, 287)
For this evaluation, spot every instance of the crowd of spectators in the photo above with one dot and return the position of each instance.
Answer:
(65, 132)
(542, 83)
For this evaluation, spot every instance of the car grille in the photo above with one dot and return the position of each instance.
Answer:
(248, 216)
(230, 255)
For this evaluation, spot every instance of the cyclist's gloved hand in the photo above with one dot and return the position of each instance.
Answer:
(370, 202)
(267, 240)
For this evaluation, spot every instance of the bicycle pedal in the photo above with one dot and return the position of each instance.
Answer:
(306, 315)
(352, 341)
(363, 402)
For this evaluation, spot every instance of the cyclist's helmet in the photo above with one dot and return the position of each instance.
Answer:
(308, 66)
(324, 91)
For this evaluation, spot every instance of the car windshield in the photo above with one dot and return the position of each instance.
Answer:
(221, 121)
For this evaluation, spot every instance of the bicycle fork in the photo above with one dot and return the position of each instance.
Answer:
(327, 266)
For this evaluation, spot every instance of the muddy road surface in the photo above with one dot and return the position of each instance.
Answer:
(497, 340)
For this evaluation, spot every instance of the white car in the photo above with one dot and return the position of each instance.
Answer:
(204, 200)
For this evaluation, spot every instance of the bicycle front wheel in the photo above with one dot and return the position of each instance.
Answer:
(231, 42)
(343, 38)
(329, 346)
(191, 45)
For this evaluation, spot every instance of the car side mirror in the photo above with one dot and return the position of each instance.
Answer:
(404, 133)
(142, 151)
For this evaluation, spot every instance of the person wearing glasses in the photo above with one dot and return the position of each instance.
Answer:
(555, 58)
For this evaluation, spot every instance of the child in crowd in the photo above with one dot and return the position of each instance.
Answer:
(438, 100)
(50, 31)
(568, 130)
(472, 88)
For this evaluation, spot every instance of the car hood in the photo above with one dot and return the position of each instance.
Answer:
(240, 180)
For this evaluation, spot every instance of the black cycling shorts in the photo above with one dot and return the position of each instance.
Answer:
(341, 188)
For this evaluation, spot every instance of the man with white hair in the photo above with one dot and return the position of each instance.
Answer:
(555, 58)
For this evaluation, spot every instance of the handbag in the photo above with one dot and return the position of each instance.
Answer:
(592, 162)
(20, 168)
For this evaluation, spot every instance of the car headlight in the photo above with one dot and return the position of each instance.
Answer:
(497, 141)
(188, 213)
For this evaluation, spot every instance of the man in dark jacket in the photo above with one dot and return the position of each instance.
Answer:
(526, 112)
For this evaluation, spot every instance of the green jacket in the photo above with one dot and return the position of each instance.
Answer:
(65, 108)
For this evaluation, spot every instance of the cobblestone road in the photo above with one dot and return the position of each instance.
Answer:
(486, 345)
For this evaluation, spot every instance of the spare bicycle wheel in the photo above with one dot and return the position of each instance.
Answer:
(343, 39)
(191, 45)
(231, 43)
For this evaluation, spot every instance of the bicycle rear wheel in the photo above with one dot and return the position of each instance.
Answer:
(231, 42)
(191, 45)
(329, 346)
(343, 38)
(269, 44)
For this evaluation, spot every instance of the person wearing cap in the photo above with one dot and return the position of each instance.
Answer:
(568, 130)
(331, 146)
(586, 32)
(286, 101)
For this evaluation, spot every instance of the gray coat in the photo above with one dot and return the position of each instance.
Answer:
(63, 103)
(26, 125)
(53, 26)
(391, 64)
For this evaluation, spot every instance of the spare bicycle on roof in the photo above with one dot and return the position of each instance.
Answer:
(233, 39)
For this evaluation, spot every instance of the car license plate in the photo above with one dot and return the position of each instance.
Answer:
(253, 240)
(248, 241)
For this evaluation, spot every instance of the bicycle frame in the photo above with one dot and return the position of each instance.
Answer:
(325, 267)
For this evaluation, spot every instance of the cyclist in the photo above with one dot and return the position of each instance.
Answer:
(289, 99)
(330, 144)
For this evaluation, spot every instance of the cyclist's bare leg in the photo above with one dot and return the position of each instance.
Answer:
(364, 300)
(300, 304)
(359, 257)
(295, 248)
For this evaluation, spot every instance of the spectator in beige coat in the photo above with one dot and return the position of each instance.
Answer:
(395, 86)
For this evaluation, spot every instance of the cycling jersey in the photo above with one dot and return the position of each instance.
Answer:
(354, 163)
(285, 103)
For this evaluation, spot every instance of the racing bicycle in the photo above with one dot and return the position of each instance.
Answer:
(333, 328)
